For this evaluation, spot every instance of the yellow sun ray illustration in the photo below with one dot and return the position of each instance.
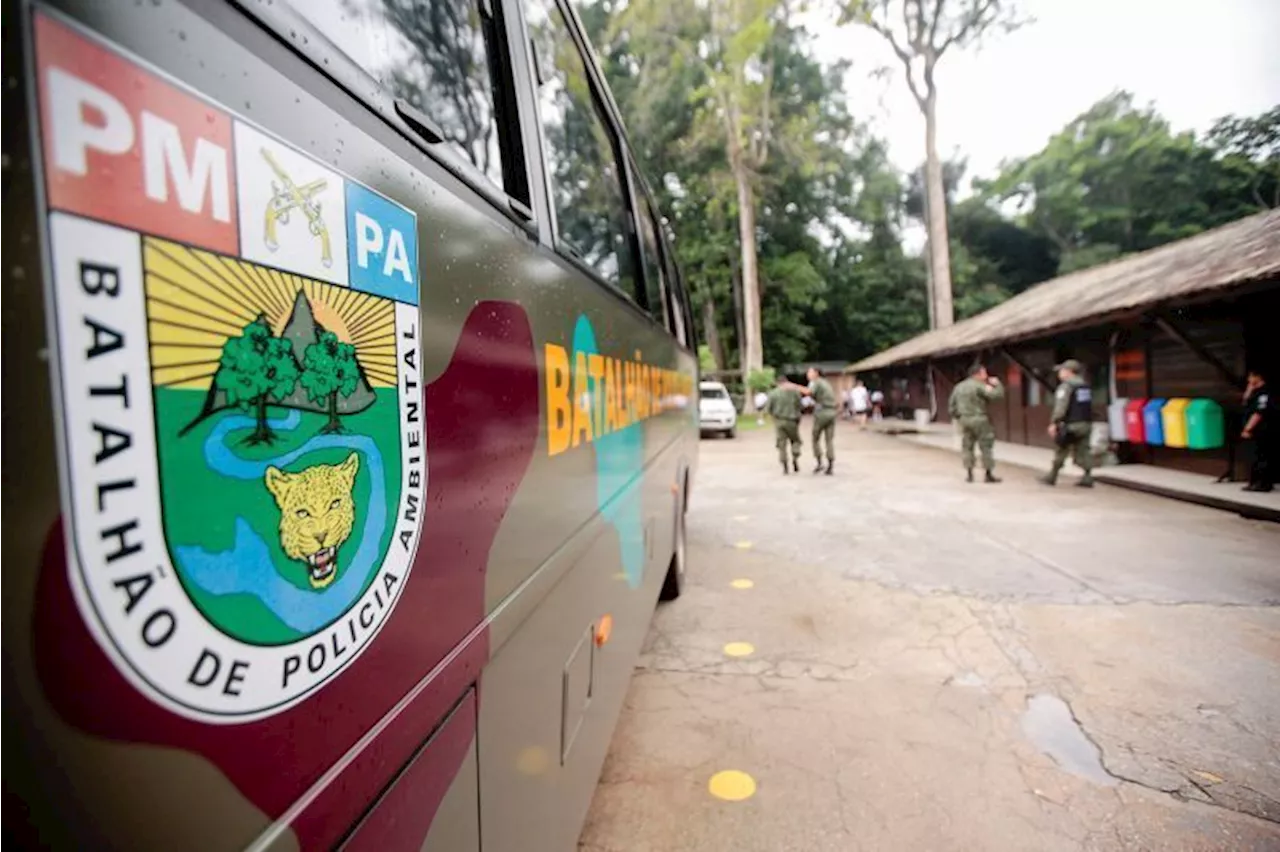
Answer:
(197, 300)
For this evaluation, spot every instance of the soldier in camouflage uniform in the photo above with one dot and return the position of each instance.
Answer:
(824, 417)
(784, 407)
(968, 407)
(1070, 423)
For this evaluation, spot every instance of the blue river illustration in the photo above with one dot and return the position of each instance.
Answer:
(619, 460)
(247, 567)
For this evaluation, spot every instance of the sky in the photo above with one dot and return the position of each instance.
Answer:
(1195, 60)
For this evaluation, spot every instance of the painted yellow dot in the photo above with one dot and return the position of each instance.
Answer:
(732, 785)
(533, 760)
(743, 545)
(739, 649)
(742, 583)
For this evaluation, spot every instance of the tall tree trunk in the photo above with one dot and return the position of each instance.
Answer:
(735, 290)
(710, 332)
(752, 345)
(939, 243)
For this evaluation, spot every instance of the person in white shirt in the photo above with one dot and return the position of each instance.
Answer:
(877, 405)
(861, 398)
(761, 400)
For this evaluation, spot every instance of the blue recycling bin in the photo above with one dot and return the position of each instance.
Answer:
(1153, 423)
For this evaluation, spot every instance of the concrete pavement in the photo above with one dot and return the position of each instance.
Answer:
(1167, 482)
(926, 664)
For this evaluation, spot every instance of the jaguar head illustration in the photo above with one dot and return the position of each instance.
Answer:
(317, 513)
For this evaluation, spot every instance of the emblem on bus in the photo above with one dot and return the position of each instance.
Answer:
(245, 449)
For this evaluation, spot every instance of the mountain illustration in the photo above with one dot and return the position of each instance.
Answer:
(299, 332)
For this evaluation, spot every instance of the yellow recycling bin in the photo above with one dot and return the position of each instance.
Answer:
(1174, 420)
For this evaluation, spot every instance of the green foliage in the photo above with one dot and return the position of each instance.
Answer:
(256, 364)
(254, 369)
(706, 361)
(1248, 150)
(700, 83)
(1117, 179)
(761, 380)
(329, 370)
(819, 185)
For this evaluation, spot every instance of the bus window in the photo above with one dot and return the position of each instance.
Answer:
(587, 190)
(441, 57)
(681, 314)
(655, 283)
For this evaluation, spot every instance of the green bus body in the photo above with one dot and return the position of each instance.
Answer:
(350, 419)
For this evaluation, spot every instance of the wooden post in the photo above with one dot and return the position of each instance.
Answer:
(1168, 327)
(1026, 368)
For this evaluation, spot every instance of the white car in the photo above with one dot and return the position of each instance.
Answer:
(715, 410)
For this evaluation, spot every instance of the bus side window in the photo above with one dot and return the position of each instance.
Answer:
(656, 283)
(446, 65)
(681, 324)
(587, 184)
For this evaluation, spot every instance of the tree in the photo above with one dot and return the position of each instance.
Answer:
(823, 189)
(257, 368)
(1117, 179)
(329, 369)
(761, 380)
(1251, 147)
(733, 104)
(920, 32)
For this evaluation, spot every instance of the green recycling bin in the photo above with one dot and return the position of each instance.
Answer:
(1205, 427)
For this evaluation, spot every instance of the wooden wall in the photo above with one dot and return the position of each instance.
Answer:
(1239, 332)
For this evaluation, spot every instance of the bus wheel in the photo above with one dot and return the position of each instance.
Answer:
(673, 584)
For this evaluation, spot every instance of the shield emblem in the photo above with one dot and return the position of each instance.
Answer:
(237, 356)
(276, 402)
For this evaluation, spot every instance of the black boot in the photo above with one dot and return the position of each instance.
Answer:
(785, 469)
(795, 465)
(968, 475)
(818, 469)
(991, 477)
(830, 465)
(1049, 479)
(1086, 481)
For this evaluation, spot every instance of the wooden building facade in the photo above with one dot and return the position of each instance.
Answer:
(1183, 320)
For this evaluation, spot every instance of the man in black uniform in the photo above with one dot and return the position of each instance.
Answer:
(1070, 423)
(1260, 425)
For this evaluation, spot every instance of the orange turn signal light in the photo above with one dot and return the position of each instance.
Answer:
(604, 628)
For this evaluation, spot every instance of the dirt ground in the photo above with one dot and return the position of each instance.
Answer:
(892, 659)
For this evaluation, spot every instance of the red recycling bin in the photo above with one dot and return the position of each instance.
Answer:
(1133, 421)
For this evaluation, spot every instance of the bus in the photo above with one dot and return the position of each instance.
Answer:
(350, 421)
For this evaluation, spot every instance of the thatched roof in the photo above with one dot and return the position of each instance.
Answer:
(1232, 256)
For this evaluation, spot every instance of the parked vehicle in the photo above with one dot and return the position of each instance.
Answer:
(716, 414)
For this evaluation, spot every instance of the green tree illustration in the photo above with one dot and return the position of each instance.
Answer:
(329, 368)
(257, 368)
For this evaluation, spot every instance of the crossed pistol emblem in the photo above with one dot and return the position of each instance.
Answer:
(287, 196)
